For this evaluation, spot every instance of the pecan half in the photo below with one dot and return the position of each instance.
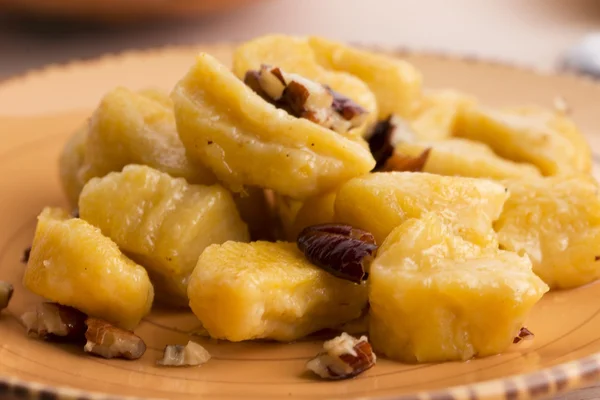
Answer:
(108, 341)
(524, 334)
(385, 135)
(344, 357)
(177, 355)
(55, 322)
(304, 98)
(402, 162)
(6, 292)
(341, 250)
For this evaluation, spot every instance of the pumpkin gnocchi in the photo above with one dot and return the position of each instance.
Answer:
(432, 218)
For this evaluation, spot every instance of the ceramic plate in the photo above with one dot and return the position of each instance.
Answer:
(37, 113)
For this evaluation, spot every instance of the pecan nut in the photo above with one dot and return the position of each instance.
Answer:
(304, 98)
(342, 250)
(55, 322)
(177, 355)
(108, 341)
(343, 357)
(524, 334)
(6, 292)
(402, 162)
(385, 135)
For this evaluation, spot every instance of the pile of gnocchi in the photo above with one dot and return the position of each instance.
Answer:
(315, 186)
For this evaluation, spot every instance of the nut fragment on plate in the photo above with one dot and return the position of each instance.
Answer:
(341, 250)
(108, 341)
(304, 98)
(53, 321)
(402, 162)
(524, 334)
(561, 105)
(344, 357)
(6, 292)
(176, 355)
(385, 135)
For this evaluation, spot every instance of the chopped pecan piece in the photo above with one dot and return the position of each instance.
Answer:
(341, 250)
(344, 357)
(402, 162)
(108, 341)
(55, 322)
(386, 134)
(6, 292)
(184, 356)
(304, 98)
(524, 334)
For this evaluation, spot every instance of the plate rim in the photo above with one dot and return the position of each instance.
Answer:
(543, 382)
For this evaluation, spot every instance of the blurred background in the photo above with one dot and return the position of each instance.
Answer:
(526, 32)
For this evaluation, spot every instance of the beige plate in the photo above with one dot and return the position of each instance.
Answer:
(42, 108)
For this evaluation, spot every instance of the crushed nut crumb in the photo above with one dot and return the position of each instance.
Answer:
(55, 322)
(177, 355)
(343, 357)
(524, 334)
(304, 98)
(108, 341)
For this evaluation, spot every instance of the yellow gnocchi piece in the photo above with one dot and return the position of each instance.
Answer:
(164, 223)
(546, 139)
(266, 290)
(248, 142)
(380, 202)
(556, 222)
(138, 128)
(436, 297)
(462, 157)
(395, 83)
(73, 264)
(435, 114)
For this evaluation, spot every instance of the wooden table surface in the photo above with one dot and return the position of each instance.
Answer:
(531, 33)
